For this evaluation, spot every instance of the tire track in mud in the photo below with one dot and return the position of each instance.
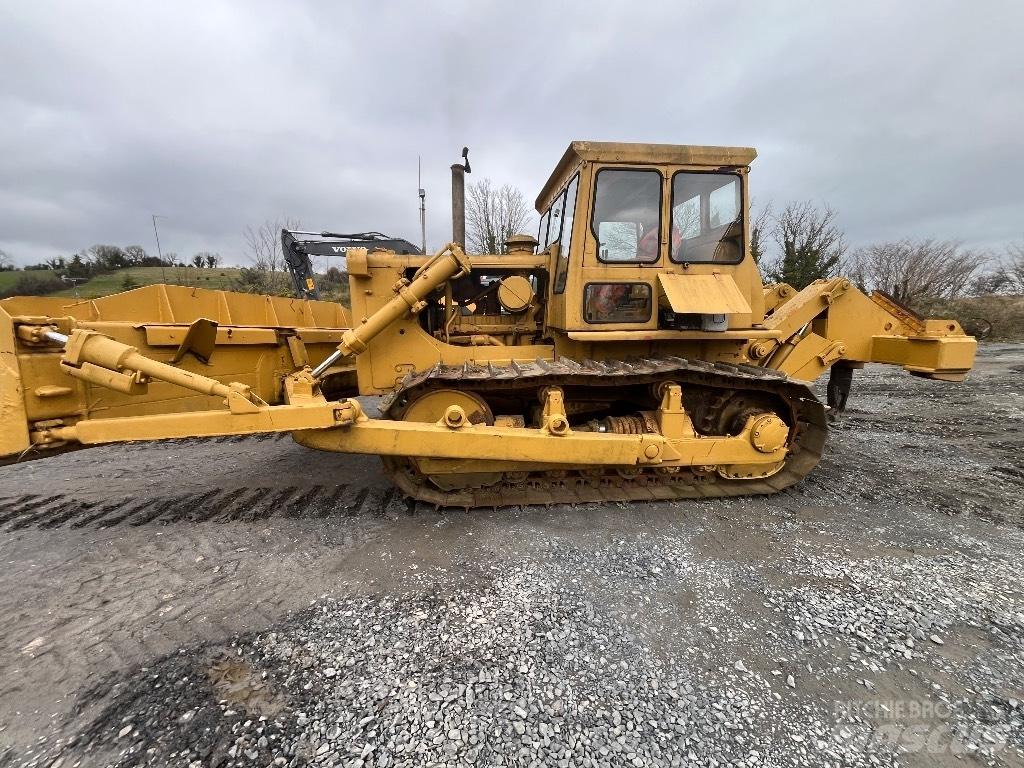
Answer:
(12, 508)
(211, 506)
(148, 589)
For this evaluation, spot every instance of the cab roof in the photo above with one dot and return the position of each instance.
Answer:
(641, 154)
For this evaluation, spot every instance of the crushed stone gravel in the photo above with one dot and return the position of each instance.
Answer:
(873, 615)
(568, 658)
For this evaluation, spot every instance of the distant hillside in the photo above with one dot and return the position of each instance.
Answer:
(218, 278)
(8, 279)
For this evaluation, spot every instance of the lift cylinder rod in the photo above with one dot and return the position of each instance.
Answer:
(94, 357)
(411, 297)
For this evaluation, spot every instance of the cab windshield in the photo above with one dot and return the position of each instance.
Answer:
(707, 217)
(627, 215)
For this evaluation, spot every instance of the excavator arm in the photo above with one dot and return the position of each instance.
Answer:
(298, 248)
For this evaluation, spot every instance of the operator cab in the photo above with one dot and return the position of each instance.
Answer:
(649, 237)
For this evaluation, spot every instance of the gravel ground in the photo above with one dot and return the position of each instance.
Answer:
(251, 603)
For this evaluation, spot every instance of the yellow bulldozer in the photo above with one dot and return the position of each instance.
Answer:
(629, 352)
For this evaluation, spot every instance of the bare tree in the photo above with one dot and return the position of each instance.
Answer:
(6, 261)
(809, 241)
(263, 249)
(1013, 268)
(914, 270)
(760, 229)
(494, 215)
(1008, 275)
(136, 255)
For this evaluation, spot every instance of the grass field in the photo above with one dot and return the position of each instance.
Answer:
(221, 278)
(8, 279)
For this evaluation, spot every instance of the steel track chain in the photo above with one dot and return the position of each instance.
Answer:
(611, 484)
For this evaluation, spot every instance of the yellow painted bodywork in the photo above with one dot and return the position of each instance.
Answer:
(714, 294)
(252, 348)
(245, 359)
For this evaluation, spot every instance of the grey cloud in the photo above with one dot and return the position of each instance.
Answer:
(220, 115)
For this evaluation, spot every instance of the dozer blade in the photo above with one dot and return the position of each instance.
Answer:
(249, 340)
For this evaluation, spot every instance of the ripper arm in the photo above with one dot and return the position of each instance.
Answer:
(830, 321)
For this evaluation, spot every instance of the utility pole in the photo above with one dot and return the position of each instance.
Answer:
(159, 253)
(423, 204)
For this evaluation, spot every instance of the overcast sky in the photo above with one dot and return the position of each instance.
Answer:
(907, 118)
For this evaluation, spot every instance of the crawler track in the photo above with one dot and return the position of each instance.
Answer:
(707, 388)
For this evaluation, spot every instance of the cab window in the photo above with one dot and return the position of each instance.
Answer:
(707, 217)
(627, 215)
(542, 231)
(617, 303)
(555, 224)
(565, 244)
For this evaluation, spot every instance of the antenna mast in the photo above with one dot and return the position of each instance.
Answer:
(423, 203)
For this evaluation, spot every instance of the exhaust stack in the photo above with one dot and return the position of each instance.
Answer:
(459, 171)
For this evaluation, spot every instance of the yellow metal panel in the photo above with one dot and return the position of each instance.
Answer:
(173, 335)
(714, 294)
(925, 354)
(13, 427)
(175, 304)
(601, 336)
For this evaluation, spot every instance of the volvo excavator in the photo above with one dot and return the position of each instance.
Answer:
(628, 352)
(298, 249)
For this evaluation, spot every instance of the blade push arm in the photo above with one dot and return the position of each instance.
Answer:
(759, 447)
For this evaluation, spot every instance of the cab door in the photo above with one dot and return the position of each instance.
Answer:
(560, 230)
(625, 236)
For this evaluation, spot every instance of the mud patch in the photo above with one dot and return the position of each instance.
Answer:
(186, 707)
(237, 684)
